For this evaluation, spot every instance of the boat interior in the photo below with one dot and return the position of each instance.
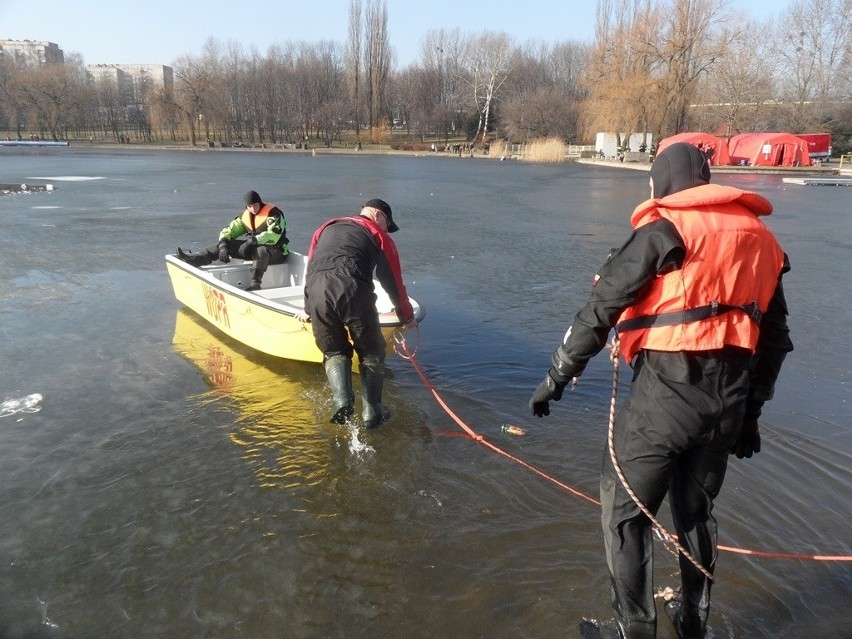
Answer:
(283, 283)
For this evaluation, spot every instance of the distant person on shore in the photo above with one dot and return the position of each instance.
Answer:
(340, 302)
(696, 301)
(259, 233)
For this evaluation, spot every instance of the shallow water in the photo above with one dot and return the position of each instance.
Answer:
(173, 483)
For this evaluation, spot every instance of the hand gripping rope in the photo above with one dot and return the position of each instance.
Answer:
(401, 348)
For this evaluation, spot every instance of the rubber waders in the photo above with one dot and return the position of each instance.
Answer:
(338, 369)
(372, 380)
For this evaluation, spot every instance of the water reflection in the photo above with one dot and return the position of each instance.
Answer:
(279, 402)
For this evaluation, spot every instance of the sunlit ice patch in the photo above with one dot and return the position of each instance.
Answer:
(68, 178)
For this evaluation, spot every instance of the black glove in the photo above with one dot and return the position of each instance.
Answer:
(549, 389)
(223, 253)
(748, 443)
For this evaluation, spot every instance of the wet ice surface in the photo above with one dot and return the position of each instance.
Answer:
(174, 483)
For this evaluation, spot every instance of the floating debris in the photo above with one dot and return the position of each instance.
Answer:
(517, 431)
(10, 189)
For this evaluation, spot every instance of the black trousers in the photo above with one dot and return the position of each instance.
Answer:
(263, 255)
(341, 307)
(672, 437)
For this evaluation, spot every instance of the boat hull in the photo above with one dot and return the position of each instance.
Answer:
(264, 320)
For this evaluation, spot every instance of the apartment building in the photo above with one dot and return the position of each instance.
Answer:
(31, 52)
(134, 79)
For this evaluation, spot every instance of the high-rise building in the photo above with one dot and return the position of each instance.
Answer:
(134, 79)
(28, 53)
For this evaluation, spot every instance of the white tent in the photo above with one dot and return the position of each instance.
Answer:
(607, 143)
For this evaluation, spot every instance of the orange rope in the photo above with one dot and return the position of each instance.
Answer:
(401, 349)
(476, 436)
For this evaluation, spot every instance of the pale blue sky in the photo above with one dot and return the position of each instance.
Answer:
(158, 31)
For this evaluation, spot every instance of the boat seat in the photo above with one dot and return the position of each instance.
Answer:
(289, 295)
(235, 273)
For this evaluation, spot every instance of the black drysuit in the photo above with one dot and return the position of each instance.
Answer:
(339, 292)
(687, 409)
(674, 433)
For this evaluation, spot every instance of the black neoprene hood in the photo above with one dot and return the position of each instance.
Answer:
(679, 167)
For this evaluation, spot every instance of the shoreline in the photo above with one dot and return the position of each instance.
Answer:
(714, 169)
(821, 169)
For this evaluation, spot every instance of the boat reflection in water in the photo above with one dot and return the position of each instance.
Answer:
(283, 405)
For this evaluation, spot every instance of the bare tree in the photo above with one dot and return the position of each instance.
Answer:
(618, 79)
(737, 95)
(545, 112)
(227, 105)
(442, 100)
(285, 108)
(193, 83)
(693, 41)
(377, 57)
(489, 59)
(11, 107)
(405, 95)
(51, 93)
(353, 64)
(649, 61)
(543, 96)
(813, 45)
(110, 106)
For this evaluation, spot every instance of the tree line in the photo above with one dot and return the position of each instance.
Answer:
(658, 66)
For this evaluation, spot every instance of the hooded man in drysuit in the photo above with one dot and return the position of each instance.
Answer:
(696, 301)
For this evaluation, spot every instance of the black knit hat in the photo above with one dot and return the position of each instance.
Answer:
(252, 198)
(385, 208)
(679, 167)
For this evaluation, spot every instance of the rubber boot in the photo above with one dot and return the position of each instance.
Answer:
(194, 259)
(255, 285)
(686, 626)
(373, 412)
(596, 630)
(338, 369)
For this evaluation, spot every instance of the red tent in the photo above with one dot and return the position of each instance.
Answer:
(769, 149)
(713, 147)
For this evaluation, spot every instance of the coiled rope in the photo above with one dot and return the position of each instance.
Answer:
(401, 349)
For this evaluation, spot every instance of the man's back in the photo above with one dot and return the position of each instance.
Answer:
(344, 245)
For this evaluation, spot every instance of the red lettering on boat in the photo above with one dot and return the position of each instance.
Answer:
(217, 305)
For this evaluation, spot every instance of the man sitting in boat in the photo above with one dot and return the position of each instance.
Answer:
(259, 234)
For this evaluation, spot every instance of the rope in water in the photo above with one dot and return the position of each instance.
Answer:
(401, 349)
(408, 355)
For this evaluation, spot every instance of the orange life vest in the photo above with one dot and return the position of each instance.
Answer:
(256, 223)
(732, 262)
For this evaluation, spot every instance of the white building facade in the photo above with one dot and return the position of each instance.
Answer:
(30, 53)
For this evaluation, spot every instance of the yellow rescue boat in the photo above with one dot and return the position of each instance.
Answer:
(264, 319)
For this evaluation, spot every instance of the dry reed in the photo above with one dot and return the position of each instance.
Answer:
(545, 150)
